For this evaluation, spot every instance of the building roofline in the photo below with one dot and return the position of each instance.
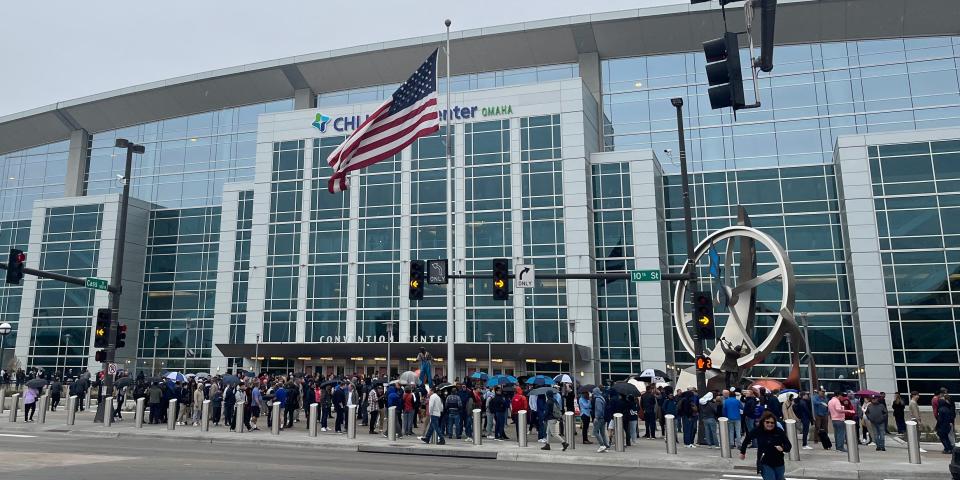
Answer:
(634, 32)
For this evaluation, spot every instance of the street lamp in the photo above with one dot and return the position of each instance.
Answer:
(5, 329)
(156, 331)
(489, 336)
(389, 339)
(256, 357)
(573, 353)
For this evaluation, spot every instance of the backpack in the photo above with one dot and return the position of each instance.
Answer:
(556, 413)
(453, 401)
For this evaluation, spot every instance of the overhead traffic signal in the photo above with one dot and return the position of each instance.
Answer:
(723, 72)
(501, 279)
(101, 333)
(100, 356)
(416, 279)
(15, 266)
(121, 340)
(703, 315)
(704, 363)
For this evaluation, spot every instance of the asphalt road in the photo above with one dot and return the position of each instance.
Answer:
(57, 456)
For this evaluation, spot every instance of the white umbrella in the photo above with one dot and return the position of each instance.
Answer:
(176, 376)
(642, 386)
(563, 378)
(784, 396)
(706, 398)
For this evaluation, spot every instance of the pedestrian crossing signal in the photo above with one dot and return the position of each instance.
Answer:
(704, 363)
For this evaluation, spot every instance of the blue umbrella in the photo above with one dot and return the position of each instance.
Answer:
(500, 380)
(540, 381)
(479, 376)
(176, 377)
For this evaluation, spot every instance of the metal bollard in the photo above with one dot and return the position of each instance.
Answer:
(569, 430)
(522, 428)
(352, 421)
(853, 443)
(72, 409)
(275, 418)
(108, 412)
(238, 416)
(724, 437)
(671, 427)
(87, 399)
(3, 398)
(477, 434)
(14, 406)
(618, 439)
(205, 416)
(791, 431)
(42, 407)
(141, 409)
(913, 442)
(392, 424)
(172, 414)
(313, 419)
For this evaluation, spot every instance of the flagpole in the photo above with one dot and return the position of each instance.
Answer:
(451, 205)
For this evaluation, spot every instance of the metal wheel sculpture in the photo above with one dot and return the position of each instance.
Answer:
(740, 298)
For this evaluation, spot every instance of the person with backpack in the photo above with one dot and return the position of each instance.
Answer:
(752, 410)
(586, 411)
(452, 406)
(689, 413)
(599, 410)
(553, 413)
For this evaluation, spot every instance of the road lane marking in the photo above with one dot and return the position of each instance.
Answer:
(16, 436)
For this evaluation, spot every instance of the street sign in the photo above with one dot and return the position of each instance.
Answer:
(645, 275)
(95, 283)
(437, 271)
(526, 274)
(112, 368)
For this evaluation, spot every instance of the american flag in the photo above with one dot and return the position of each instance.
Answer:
(410, 113)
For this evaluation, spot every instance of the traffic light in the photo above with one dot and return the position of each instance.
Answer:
(704, 363)
(121, 336)
(416, 279)
(501, 279)
(15, 266)
(723, 72)
(703, 315)
(101, 356)
(102, 330)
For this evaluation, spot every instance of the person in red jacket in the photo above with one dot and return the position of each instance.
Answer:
(519, 402)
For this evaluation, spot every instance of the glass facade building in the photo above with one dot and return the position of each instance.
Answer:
(238, 255)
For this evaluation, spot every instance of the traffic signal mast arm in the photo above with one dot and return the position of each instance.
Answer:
(576, 276)
(60, 277)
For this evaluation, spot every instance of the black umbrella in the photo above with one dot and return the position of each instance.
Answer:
(540, 391)
(37, 383)
(651, 374)
(154, 379)
(123, 382)
(231, 379)
(444, 386)
(329, 382)
(624, 388)
(586, 388)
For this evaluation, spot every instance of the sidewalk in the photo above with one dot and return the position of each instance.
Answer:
(813, 463)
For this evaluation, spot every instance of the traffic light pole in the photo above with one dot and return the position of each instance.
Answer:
(57, 276)
(117, 272)
(691, 262)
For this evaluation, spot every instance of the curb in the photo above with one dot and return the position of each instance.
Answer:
(442, 452)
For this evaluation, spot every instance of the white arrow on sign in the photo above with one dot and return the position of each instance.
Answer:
(525, 276)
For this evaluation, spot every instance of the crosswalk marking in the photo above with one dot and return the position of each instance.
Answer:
(16, 436)
(733, 475)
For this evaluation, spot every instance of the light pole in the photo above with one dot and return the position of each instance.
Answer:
(186, 344)
(489, 336)
(573, 354)
(389, 339)
(117, 269)
(5, 329)
(256, 357)
(66, 354)
(156, 332)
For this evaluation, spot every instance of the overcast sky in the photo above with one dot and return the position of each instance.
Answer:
(57, 50)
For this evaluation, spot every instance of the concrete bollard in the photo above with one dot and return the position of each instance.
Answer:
(205, 416)
(313, 419)
(172, 414)
(913, 442)
(791, 430)
(139, 412)
(72, 409)
(618, 439)
(477, 434)
(108, 412)
(853, 444)
(14, 406)
(42, 406)
(3, 398)
(275, 418)
(724, 437)
(569, 430)
(352, 421)
(671, 427)
(392, 424)
(87, 399)
(238, 416)
(521, 428)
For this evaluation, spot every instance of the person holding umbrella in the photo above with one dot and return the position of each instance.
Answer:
(30, 401)
(772, 443)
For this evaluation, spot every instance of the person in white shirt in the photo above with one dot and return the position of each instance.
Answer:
(435, 409)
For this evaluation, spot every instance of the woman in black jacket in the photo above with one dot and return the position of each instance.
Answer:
(771, 445)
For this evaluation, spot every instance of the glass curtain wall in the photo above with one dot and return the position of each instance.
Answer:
(30, 175)
(63, 313)
(428, 228)
(241, 268)
(283, 255)
(329, 248)
(488, 228)
(916, 191)
(13, 234)
(378, 252)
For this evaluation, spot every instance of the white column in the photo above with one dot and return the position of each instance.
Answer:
(403, 332)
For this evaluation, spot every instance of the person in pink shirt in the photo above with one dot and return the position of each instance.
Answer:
(838, 414)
